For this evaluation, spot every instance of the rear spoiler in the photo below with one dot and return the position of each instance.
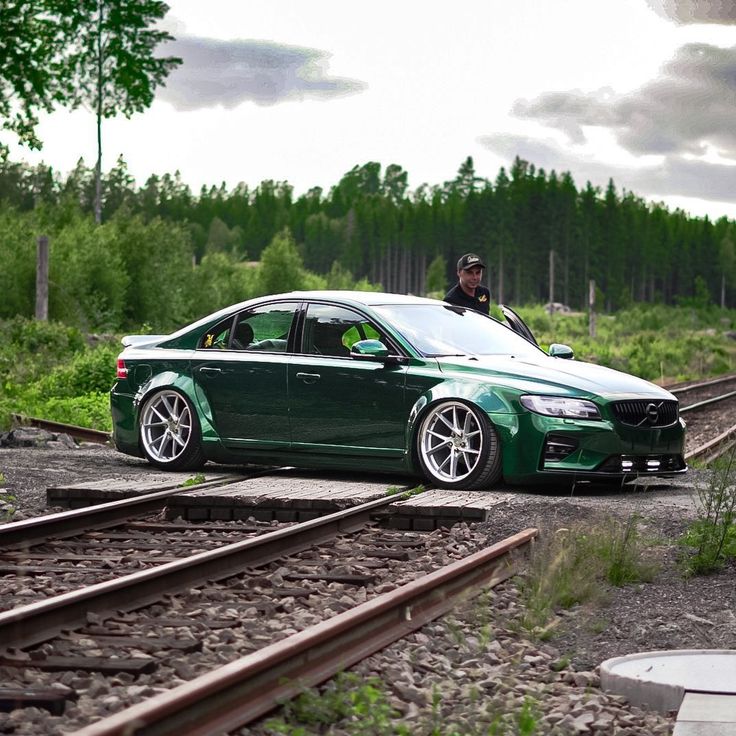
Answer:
(140, 340)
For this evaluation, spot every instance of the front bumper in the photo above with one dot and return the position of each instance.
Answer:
(539, 449)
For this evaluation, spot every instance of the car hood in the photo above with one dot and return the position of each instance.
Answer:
(548, 375)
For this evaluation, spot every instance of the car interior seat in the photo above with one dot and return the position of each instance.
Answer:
(243, 336)
(327, 340)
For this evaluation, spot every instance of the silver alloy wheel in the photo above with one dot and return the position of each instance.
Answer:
(166, 426)
(451, 441)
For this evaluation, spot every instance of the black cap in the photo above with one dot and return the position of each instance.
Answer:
(469, 260)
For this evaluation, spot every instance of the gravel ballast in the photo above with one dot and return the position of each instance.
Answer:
(451, 671)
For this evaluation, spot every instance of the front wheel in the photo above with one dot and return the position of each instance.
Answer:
(458, 447)
(169, 431)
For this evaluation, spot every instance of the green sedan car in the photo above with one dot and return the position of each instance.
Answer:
(386, 383)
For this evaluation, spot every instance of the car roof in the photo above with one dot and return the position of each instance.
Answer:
(367, 298)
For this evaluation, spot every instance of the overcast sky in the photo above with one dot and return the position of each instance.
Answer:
(641, 91)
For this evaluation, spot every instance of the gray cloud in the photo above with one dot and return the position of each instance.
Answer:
(228, 73)
(676, 176)
(696, 11)
(691, 105)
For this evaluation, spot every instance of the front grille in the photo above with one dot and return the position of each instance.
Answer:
(644, 413)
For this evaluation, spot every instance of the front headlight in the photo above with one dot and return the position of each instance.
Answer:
(558, 406)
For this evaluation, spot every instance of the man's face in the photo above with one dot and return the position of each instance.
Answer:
(470, 277)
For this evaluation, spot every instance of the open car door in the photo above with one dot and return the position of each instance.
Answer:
(517, 324)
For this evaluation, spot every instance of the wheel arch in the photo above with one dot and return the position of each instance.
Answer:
(478, 395)
(174, 381)
(494, 404)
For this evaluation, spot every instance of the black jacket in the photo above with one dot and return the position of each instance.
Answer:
(481, 302)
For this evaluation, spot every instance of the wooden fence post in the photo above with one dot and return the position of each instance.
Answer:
(42, 278)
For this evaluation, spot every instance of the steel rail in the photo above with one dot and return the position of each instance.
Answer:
(37, 622)
(28, 532)
(248, 688)
(703, 384)
(714, 448)
(706, 402)
(82, 433)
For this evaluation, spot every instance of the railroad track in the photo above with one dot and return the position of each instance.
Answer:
(69, 562)
(84, 434)
(244, 690)
(705, 388)
(263, 580)
(709, 410)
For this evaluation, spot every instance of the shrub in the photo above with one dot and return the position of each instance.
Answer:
(92, 371)
(713, 535)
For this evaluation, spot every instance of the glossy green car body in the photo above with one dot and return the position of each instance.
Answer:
(383, 382)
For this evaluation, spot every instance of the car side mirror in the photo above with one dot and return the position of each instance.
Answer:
(556, 350)
(374, 350)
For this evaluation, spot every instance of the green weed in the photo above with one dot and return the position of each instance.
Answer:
(713, 535)
(408, 493)
(194, 480)
(359, 706)
(7, 502)
(621, 552)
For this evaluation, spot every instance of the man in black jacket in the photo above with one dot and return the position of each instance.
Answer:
(468, 292)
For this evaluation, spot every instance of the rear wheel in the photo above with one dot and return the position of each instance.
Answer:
(458, 447)
(170, 433)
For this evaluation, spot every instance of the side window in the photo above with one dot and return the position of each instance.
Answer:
(333, 331)
(263, 329)
(218, 337)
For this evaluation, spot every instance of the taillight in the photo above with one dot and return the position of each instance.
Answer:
(122, 370)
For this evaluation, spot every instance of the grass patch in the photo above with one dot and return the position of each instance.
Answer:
(573, 565)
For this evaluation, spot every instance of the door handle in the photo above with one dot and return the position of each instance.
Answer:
(309, 377)
(209, 369)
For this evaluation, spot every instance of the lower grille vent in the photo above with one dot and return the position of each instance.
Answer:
(558, 447)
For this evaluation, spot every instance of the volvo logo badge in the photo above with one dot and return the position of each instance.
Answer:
(652, 413)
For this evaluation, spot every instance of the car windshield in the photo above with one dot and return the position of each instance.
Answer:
(437, 330)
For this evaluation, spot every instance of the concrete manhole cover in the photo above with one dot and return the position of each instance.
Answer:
(660, 679)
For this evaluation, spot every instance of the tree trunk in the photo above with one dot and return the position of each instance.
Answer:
(500, 295)
(98, 168)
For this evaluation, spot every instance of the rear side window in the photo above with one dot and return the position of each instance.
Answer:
(262, 329)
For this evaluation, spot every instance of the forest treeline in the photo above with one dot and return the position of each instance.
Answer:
(164, 254)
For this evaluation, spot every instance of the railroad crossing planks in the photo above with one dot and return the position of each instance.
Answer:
(286, 494)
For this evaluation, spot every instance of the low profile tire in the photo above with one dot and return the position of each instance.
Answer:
(170, 433)
(458, 447)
